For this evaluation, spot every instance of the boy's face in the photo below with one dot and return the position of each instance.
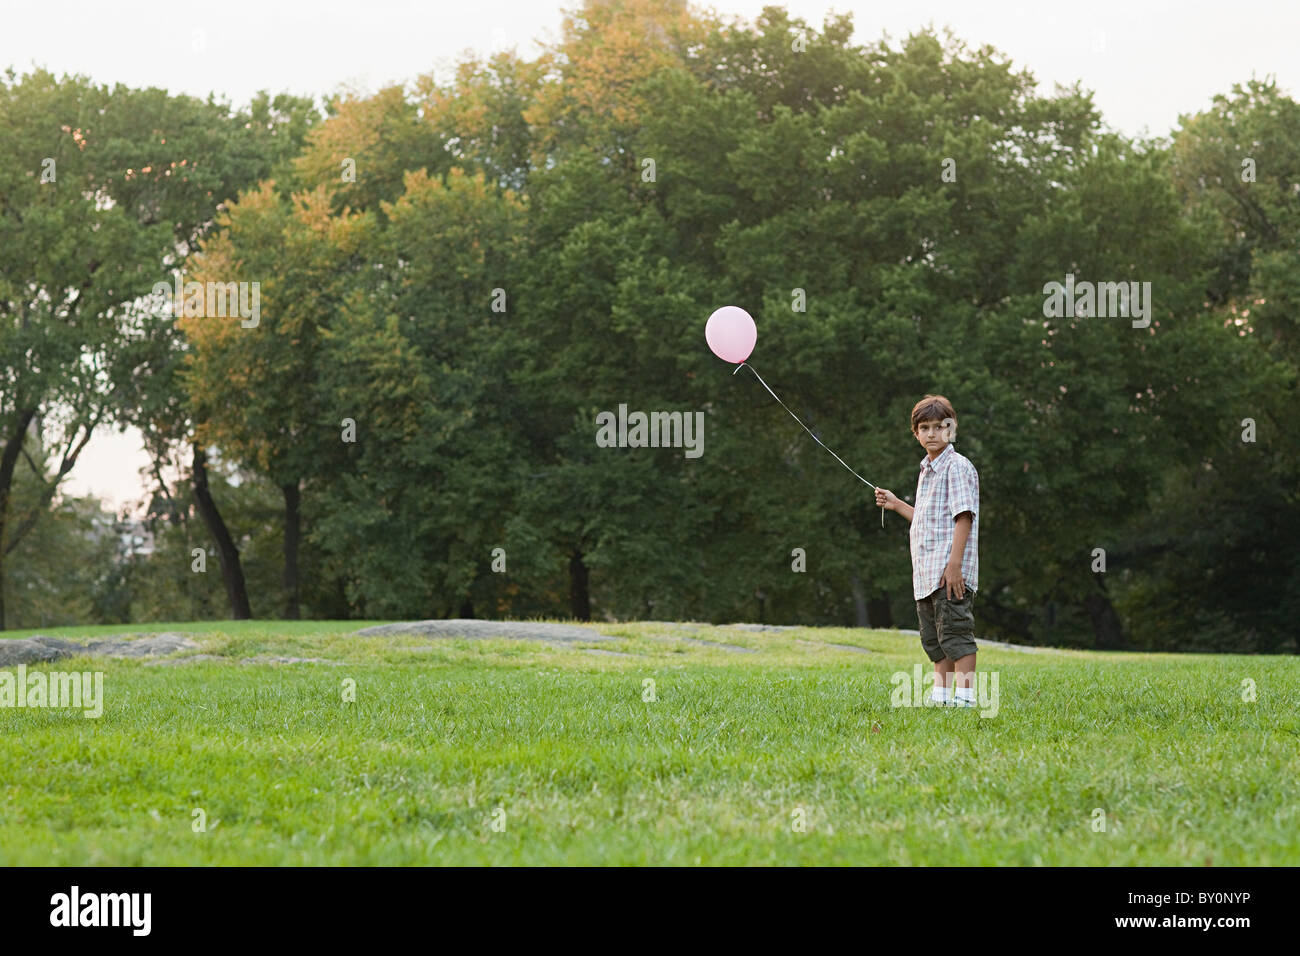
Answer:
(933, 437)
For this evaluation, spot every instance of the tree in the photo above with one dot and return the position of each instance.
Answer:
(63, 565)
(417, 359)
(1226, 520)
(210, 154)
(236, 373)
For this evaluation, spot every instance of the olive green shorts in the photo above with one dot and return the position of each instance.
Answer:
(947, 625)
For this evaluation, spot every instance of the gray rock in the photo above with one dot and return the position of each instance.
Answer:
(150, 645)
(843, 647)
(38, 649)
(734, 648)
(763, 627)
(264, 659)
(42, 649)
(478, 630)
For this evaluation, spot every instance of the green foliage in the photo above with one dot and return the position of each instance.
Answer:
(63, 570)
(105, 190)
(891, 216)
(414, 359)
(1227, 519)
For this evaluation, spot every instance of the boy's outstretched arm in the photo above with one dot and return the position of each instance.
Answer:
(887, 499)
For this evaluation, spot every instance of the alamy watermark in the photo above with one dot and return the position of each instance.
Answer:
(653, 430)
(216, 300)
(77, 690)
(917, 690)
(75, 908)
(1100, 299)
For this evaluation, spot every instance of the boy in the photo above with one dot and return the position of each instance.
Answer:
(945, 555)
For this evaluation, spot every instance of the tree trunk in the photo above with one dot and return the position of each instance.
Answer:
(860, 616)
(579, 597)
(1108, 632)
(879, 613)
(292, 536)
(231, 571)
(8, 462)
(341, 592)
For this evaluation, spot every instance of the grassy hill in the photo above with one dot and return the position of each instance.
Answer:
(521, 752)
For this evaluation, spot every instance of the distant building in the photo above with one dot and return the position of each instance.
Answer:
(135, 538)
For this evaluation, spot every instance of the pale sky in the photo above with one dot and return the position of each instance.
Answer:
(1146, 62)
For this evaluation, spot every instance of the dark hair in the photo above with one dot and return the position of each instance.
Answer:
(932, 408)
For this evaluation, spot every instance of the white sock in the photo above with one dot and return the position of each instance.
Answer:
(940, 695)
(966, 693)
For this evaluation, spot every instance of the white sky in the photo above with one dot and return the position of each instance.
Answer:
(1147, 62)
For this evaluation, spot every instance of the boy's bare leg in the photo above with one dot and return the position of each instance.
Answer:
(943, 674)
(965, 668)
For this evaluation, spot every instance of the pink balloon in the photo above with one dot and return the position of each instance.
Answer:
(731, 334)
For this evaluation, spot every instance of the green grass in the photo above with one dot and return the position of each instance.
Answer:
(587, 772)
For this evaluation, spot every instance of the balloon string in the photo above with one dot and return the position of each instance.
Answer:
(807, 429)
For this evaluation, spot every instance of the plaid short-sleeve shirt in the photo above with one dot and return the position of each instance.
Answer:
(945, 488)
